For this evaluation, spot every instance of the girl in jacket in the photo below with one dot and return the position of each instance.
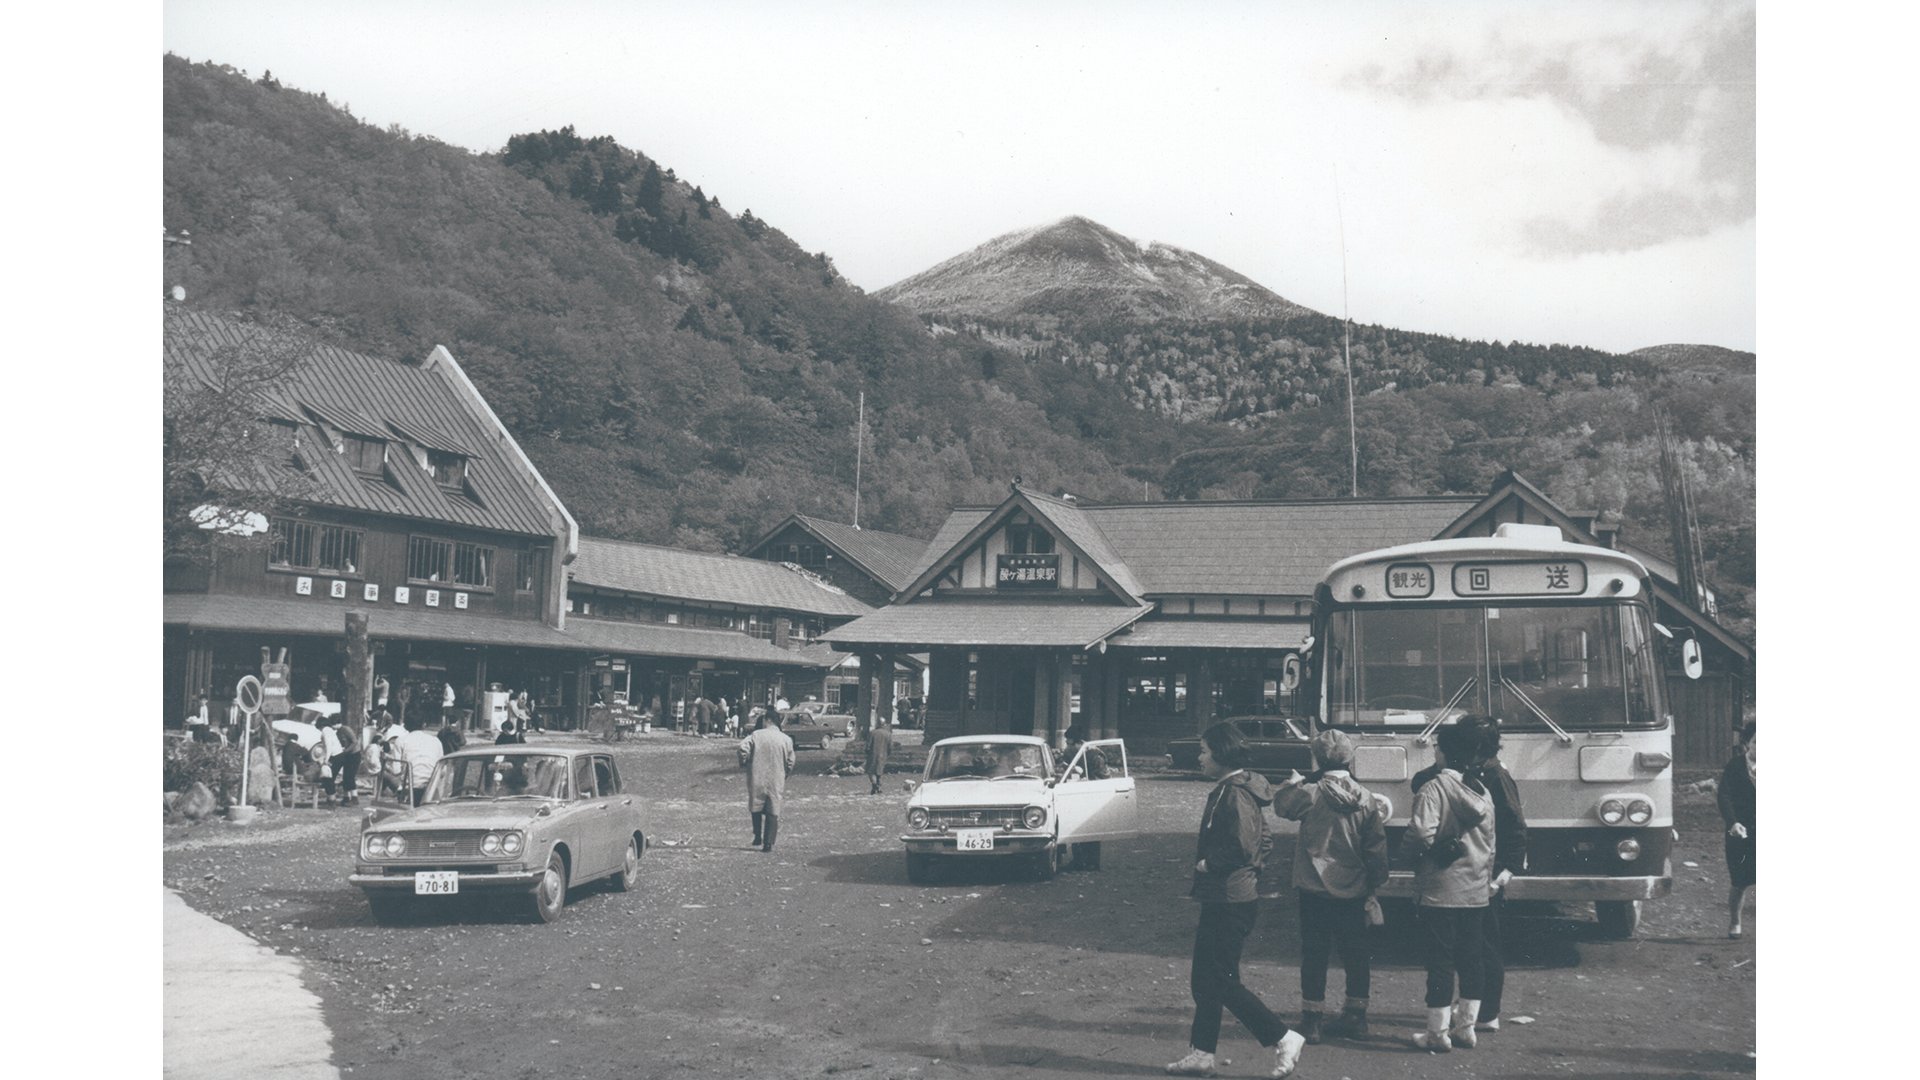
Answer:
(1232, 845)
(1738, 803)
(1450, 842)
(1339, 860)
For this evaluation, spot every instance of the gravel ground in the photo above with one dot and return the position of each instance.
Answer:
(820, 958)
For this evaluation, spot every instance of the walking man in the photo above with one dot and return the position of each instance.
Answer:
(879, 748)
(767, 755)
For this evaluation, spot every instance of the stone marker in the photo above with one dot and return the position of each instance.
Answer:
(260, 777)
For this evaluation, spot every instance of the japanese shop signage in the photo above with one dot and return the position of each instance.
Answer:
(1029, 571)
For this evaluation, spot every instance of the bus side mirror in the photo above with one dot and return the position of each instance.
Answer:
(1290, 674)
(1690, 661)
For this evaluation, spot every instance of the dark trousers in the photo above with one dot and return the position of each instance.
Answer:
(346, 768)
(1493, 963)
(1454, 946)
(1216, 982)
(766, 826)
(1326, 922)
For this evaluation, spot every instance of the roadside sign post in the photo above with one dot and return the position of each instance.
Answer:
(248, 693)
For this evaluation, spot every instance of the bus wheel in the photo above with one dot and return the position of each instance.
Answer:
(1619, 919)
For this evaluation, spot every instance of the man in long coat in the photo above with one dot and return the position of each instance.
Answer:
(767, 755)
(879, 747)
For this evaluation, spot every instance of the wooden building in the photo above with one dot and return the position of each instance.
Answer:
(421, 510)
(870, 564)
(665, 623)
(1147, 621)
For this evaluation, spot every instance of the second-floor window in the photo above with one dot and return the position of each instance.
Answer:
(444, 560)
(367, 456)
(308, 545)
(449, 470)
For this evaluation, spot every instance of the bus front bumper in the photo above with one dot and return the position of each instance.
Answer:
(1566, 887)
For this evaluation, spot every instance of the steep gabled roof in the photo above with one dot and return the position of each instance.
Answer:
(650, 570)
(888, 558)
(393, 400)
(1060, 516)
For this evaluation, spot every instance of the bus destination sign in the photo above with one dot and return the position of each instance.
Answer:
(1409, 581)
(1557, 577)
(1033, 571)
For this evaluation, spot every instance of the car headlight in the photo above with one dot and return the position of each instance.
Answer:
(374, 846)
(1639, 811)
(396, 846)
(1035, 817)
(1629, 849)
(917, 818)
(1613, 811)
(490, 844)
(510, 844)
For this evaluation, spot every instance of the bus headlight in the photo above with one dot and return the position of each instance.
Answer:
(1035, 817)
(1629, 849)
(1613, 811)
(917, 818)
(1639, 812)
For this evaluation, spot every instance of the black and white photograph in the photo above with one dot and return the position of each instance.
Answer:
(935, 541)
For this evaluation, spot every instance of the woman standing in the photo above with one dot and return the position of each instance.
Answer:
(1738, 803)
(1450, 839)
(1232, 845)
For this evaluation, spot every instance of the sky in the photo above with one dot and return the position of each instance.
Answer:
(1578, 173)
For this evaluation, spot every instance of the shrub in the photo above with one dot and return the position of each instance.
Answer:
(211, 764)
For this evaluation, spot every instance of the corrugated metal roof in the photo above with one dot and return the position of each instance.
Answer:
(654, 639)
(355, 391)
(941, 622)
(1213, 634)
(889, 557)
(1260, 549)
(690, 575)
(262, 614)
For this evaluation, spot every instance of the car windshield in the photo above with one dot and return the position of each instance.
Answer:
(985, 759)
(1588, 666)
(498, 776)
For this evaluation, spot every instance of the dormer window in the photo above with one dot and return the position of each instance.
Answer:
(367, 456)
(449, 470)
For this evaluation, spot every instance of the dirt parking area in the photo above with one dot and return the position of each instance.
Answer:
(820, 959)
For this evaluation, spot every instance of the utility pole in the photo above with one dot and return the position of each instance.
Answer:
(859, 445)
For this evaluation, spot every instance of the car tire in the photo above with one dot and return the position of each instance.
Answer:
(628, 877)
(1047, 863)
(550, 896)
(1619, 919)
(388, 909)
(919, 868)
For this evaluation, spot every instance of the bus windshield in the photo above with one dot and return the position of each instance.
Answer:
(1584, 667)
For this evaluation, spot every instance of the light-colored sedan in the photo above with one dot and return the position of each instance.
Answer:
(1002, 797)
(513, 818)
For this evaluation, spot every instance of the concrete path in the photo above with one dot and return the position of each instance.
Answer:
(220, 983)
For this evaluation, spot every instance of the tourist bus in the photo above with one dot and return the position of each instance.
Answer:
(1556, 640)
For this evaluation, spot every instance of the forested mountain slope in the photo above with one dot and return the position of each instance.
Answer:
(685, 375)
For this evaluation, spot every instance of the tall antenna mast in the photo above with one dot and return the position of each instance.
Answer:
(859, 445)
(1346, 317)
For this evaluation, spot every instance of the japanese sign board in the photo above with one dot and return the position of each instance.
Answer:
(1409, 581)
(1558, 577)
(276, 689)
(1028, 571)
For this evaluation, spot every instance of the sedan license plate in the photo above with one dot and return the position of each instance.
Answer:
(975, 839)
(436, 882)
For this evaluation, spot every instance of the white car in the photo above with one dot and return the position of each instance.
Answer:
(1002, 797)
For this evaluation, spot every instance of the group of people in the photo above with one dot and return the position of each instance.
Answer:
(1467, 838)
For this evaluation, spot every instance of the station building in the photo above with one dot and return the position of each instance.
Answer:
(1149, 621)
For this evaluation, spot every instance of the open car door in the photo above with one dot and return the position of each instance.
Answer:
(1092, 809)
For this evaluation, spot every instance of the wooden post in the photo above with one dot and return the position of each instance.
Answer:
(359, 672)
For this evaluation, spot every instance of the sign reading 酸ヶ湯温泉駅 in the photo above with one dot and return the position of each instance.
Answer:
(1028, 571)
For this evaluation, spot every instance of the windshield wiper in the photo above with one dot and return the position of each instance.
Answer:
(1565, 739)
(1426, 733)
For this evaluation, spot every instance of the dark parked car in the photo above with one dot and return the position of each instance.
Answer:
(806, 732)
(1277, 744)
